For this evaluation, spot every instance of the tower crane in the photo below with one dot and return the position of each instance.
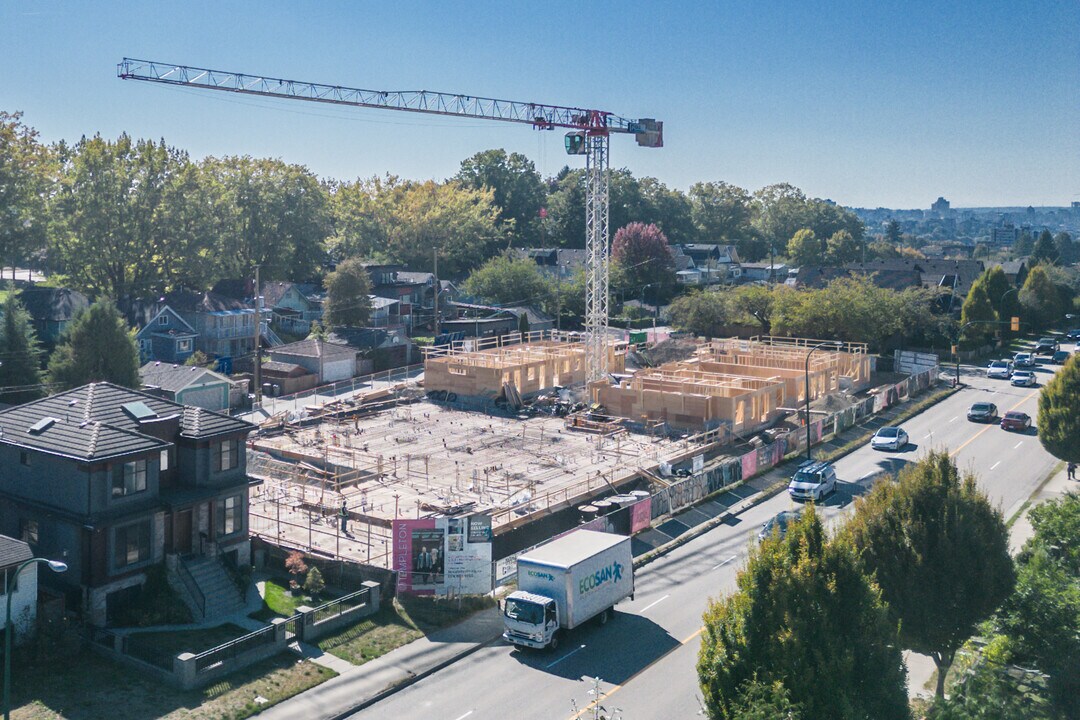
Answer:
(590, 132)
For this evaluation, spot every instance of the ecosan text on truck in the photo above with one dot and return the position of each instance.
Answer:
(565, 583)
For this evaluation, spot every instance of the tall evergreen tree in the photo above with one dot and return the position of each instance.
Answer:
(20, 355)
(1059, 413)
(99, 346)
(940, 553)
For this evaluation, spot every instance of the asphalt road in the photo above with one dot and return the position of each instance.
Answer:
(645, 656)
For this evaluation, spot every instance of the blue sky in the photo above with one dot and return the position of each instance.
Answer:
(867, 103)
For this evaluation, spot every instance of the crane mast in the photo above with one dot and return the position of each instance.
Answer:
(590, 136)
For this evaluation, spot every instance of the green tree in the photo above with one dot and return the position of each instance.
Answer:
(508, 281)
(1045, 250)
(761, 701)
(347, 295)
(1040, 300)
(721, 212)
(805, 615)
(668, 209)
(892, 233)
(1066, 248)
(757, 302)
(989, 693)
(978, 309)
(940, 553)
(565, 223)
(1059, 413)
(805, 249)
(20, 355)
(842, 248)
(1041, 617)
(97, 347)
(701, 312)
(881, 249)
(275, 216)
(517, 190)
(1024, 245)
(27, 174)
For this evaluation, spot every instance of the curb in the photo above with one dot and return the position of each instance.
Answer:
(411, 679)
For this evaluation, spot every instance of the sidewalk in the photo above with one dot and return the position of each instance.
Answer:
(362, 685)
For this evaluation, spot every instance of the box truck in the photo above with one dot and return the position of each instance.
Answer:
(565, 583)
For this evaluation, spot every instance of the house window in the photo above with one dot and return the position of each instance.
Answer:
(227, 455)
(183, 345)
(163, 320)
(228, 516)
(24, 458)
(132, 544)
(164, 464)
(129, 478)
(28, 531)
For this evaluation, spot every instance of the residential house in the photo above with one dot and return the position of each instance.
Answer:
(385, 313)
(953, 274)
(293, 306)
(14, 553)
(560, 262)
(488, 320)
(1016, 272)
(763, 271)
(113, 481)
(187, 385)
(52, 310)
(818, 276)
(377, 348)
(716, 263)
(167, 338)
(329, 361)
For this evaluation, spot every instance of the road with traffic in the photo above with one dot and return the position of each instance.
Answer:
(646, 655)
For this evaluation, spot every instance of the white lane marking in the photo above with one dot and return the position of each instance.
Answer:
(1018, 444)
(955, 419)
(654, 603)
(995, 465)
(722, 564)
(552, 664)
(465, 715)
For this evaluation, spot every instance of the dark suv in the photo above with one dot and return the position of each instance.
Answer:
(1046, 346)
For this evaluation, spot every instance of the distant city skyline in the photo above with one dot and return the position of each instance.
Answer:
(866, 104)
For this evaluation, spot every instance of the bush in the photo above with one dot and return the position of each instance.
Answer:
(314, 583)
(296, 566)
(156, 603)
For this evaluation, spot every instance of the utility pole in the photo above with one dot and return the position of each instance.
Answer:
(258, 337)
(437, 288)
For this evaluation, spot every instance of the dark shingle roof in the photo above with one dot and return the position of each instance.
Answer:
(13, 551)
(91, 423)
(311, 347)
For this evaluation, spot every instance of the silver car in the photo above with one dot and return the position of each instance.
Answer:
(1023, 378)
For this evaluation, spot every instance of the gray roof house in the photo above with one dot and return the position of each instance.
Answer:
(187, 385)
(330, 361)
(24, 590)
(113, 481)
(52, 310)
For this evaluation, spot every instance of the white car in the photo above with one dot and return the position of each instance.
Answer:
(1001, 369)
(812, 481)
(1023, 378)
(1024, 360)
(889, 438)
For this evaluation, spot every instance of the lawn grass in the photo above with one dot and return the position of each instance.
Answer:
(405, 620)
(278, 601)
(85, 686)
(193, 641)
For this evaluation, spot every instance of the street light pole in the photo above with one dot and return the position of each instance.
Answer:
(830, 343)
(9, 586)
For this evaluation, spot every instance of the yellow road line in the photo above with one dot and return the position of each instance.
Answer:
(616, 688)
(967, 442)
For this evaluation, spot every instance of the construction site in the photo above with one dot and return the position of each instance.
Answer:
(508, 427)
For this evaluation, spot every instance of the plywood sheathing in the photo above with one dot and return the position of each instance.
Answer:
(738, 385)
(482, 371)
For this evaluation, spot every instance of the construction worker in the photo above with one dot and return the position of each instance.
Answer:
(344, 517)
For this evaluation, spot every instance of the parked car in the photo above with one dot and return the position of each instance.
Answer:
(983, 412)
(889, 438)
(812, 481)
(1023, 378)
(1046, 346)
(780, 523)
(1024, 360)
(1001, 369)
(1060, 357)
(1015, 420)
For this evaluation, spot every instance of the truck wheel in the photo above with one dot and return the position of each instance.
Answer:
(553, 644)
(605, 615)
